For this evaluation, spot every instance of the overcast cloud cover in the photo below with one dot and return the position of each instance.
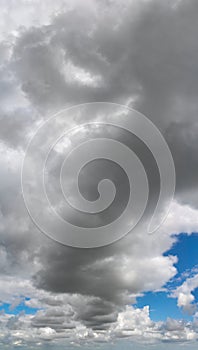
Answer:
(139, 53)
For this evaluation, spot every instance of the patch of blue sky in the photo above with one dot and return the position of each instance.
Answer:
(186, 249)
(161, 304)
(22, 307)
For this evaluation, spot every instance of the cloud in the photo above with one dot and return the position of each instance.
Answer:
(57, 55)
(58, 325)
(184, 294)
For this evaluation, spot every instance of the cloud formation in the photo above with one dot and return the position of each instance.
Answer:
(139, 53)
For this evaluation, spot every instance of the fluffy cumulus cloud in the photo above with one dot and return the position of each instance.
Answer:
(60, 324)
(143, 54)
(184, 294)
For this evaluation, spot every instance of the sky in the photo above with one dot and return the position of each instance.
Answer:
(95, 61)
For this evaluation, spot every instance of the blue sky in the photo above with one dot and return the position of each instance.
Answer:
(161, 304)
(22, 307)
(186, 250)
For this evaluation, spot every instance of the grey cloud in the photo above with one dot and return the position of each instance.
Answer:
(138, 58)
(97, 314)
(147, 55)
(182, 138)
(53, 318)
(111, 273)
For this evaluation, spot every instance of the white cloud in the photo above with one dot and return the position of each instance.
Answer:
(184, 294)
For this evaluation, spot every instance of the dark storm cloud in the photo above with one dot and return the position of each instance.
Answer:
(149, 54)
(135, 56)
(97, 314)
